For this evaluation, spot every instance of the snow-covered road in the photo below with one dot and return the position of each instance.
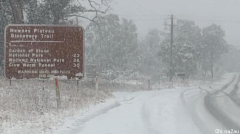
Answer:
(153, 112)
(169, 111)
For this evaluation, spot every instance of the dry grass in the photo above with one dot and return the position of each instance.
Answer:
(31, 104)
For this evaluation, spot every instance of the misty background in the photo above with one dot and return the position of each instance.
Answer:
(133, 37)
(129, 46)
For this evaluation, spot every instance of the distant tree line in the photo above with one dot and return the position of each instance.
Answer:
(113, 43)
(195, 50)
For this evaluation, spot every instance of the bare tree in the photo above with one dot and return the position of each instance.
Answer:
(58, 11)
(54, 11)
(94, 8)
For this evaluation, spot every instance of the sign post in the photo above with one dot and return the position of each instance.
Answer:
(44, 52)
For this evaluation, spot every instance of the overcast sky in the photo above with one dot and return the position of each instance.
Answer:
(149, 14)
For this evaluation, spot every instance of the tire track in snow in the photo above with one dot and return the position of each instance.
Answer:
(146, 114)
(146, 117)
(79, 124)
(195, 118)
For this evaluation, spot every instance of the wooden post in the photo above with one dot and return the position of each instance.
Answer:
(43, 85)
(149, 84)
(96, 86)
(57, 94)
(77, 85)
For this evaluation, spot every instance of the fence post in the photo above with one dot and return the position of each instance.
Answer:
(57, 94)
(149, 84)
(77, 85)
(96, 86)
(43, 85)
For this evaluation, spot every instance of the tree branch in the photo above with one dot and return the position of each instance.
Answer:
(76, 15)
(17, 11)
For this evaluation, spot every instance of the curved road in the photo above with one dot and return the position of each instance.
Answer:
(170, 111)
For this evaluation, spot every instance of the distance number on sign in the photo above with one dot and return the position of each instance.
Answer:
(76, 61)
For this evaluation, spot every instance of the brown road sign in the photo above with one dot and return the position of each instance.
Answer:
(44, 52)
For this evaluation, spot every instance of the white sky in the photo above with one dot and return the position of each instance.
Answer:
(149, 14)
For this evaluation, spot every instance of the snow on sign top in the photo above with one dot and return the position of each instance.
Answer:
(44, 52)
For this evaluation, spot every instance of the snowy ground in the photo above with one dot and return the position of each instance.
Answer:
(199, 108)
(169, 111)
(152, 112)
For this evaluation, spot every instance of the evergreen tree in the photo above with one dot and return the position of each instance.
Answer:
(214, 45)
(112, 43)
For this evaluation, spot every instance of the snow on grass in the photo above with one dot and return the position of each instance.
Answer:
(30, 106)
(26, 108)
